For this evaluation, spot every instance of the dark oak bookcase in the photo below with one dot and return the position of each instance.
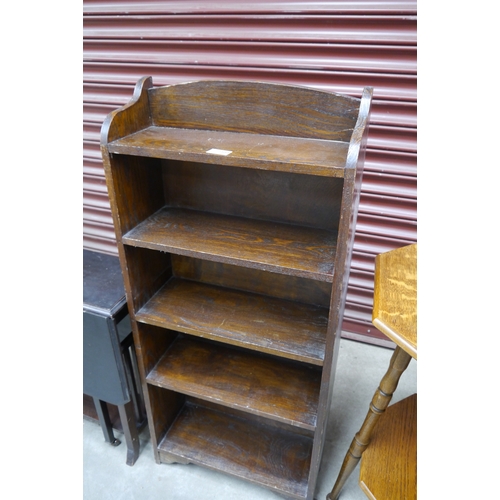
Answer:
(234, 206)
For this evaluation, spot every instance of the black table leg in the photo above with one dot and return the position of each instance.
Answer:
(129, 424)
(105, 422)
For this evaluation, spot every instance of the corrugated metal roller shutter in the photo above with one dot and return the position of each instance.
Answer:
(338, 46)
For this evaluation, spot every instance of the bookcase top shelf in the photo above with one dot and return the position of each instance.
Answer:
(288, 154)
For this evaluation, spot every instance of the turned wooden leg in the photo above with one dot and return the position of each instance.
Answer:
(383, 395)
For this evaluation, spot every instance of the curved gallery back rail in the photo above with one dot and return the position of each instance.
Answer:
(234, 206)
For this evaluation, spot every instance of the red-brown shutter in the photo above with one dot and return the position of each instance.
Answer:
(339, 46)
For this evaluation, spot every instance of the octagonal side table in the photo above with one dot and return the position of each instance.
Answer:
(394, 314)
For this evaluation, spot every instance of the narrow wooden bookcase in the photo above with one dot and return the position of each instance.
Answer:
(234, 206)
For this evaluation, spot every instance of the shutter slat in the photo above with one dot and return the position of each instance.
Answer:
(334, 28)
(391, 87)
(393, 59)
(255, 7)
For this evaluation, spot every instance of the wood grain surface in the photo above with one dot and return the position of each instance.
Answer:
(284, 248)
(389, 465)
(395, 296)
(265, 455)
(284, 328)
(286, 154)
(304, 200)
(241, 379)
(255, 107)
(297, 289)
(236, 277)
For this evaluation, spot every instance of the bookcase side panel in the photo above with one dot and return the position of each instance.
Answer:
(147, 271)
(131, 117)
(150, 343)
(137, 184)
(163, 408)
(347, 226)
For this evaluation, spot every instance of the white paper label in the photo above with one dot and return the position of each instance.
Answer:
(215, 151)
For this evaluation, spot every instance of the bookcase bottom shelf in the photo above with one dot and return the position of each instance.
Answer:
(273, 457)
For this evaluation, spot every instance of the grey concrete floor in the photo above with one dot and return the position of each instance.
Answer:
(359, 370)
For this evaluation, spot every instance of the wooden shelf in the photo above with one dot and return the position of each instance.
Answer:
(270, 246)
(275, 326)
(262, 454)
(287, 154)
(241, 379)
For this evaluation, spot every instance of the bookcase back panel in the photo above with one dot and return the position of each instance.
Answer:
(254, 107)
(253, 280)
(259, 194)
(251, 417)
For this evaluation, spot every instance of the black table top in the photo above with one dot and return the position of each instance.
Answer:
(103, 289)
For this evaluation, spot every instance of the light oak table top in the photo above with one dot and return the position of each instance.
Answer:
(395, 297)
